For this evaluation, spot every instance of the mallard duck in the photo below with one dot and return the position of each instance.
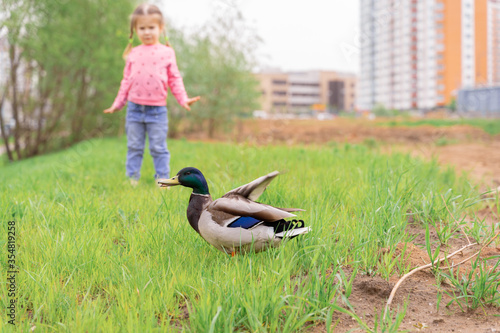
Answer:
(235, 223)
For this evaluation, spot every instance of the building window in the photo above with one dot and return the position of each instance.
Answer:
(279, 82)
(279, 93)
(298, 105)
(304, 84)
(304, 95)
(336, 92)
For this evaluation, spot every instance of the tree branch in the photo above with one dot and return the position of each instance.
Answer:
(14, 63)
(2, 124)
(474, 255)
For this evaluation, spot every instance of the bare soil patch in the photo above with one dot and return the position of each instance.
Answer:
(467, 148)
(420, 291)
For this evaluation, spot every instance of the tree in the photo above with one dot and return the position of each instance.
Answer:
(63, 58)
(216, 62)
(65, 66)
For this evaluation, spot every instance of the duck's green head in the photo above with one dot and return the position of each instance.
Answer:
(189, 177)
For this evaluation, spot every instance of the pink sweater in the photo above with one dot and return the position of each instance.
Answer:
(149, 71)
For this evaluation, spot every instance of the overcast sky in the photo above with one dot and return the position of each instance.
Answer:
(297, 35)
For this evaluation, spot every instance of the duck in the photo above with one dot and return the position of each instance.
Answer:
(236, 223)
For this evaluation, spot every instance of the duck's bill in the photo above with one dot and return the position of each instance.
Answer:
(169, 182)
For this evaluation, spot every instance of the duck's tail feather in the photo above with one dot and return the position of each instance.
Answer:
(292, 209)
(293, 233)
(288, 229)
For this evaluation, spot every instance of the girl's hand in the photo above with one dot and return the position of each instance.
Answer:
(111, 110)
(189, 102)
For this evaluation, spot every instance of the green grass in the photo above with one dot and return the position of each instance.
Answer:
(490, 126)
(97, 255)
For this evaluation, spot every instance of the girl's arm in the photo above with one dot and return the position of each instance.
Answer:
(121, 98)
(176, 84)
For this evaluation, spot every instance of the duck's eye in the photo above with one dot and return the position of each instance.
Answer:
(188, 173)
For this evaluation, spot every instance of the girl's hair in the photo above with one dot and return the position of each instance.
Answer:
(144, 9)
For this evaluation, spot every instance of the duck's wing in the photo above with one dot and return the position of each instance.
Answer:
(236, 206)
(254, 189)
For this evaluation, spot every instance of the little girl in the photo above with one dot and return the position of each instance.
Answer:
(149, 70)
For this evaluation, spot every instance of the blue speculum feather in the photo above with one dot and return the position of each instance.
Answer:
(245, 222)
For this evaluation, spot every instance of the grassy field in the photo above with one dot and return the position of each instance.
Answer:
(97, 255)
(490, 126)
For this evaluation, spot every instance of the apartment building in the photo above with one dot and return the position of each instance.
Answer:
(306, 90)
(416, 54)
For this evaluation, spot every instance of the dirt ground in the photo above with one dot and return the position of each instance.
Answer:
(467, 148)
(420, 291)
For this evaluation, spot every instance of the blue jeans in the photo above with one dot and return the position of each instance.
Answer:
(153, 120)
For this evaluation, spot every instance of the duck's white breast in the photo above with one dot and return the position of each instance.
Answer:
(231, 239)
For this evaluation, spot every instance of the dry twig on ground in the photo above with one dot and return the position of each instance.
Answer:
(396, 286)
